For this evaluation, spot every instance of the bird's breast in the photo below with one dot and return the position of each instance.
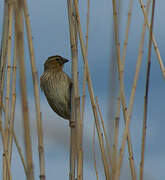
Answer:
(58, 93)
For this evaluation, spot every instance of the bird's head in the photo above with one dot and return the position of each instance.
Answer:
(55, 62)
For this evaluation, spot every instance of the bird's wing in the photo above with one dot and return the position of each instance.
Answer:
(68, 96)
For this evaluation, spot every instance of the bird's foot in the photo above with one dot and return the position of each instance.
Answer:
(72, 124)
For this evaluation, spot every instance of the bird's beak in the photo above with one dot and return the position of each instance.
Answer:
(65, 60)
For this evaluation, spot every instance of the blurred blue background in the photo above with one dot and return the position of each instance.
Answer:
(50, 31)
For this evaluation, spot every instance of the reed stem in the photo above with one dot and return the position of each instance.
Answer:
(13, 101)
(146, 93)
(153, 39)
(126, 135)
(26, 123)
(36, 94)
(90, 89)
(73, 142)
(94, 152)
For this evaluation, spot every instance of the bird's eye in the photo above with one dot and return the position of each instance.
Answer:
(57, 59)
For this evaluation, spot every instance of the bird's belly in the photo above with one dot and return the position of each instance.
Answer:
(59, 99)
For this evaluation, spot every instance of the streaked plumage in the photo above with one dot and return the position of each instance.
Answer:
(56, 85)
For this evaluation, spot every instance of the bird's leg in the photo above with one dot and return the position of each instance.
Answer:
(72, 123)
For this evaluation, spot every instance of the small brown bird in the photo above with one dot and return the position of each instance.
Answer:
(56, 85)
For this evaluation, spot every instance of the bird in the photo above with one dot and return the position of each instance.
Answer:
(56, 85)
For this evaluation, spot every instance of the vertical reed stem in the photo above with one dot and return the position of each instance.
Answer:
(118, 104)
(8, 74)
(36, 93)
(7, 171)
(104, 159)
(20, 41)
(84, 74)
(138, 65)
(73, 143)
(153, 40)
(94, 153)
(126, 135)
(146, 93)
(116, 138)
(13, 101)
(20, 153)
(3, 52)
(127, 32)
(105, 134)
(10, 11)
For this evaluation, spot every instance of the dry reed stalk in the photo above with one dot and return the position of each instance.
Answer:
(76, 96)
(36, 93)
(72, 151)
(3, 52)
(79, 128)
(87, 25)
(153, 40)
(131, 161)
(3, 108)
(126, 135)
(105, 134)
(118, 103)
(26, 123)
(8, 74)
(94, 153)
(146, 93)
(6, 162)
(20, 153)
(3, 61)
(116, 138)
(127, 32)
(13, 101)
(90, 89)
(73, 143)
(83, 94)
(84, 74)
(138, 65)
(7, 171)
